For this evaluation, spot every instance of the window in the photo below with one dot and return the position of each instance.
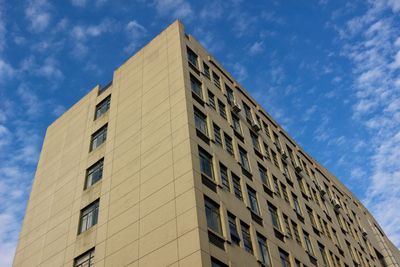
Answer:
(264, 253)
(206, 166)
(228, 144)
(216, 79)
(284, 193)
(217, 134)
(287, 227)
(224, 177)
(311, 216)
(243, 159)
(276, 186)
(254, 140)
(212, 215)
(284, 256)
(102, 107)
(98, 138)
(286, 171)
(211, 99)
(200, 121)
(274, 216)
(246, 237)
(222, 110)
(253, 200)
(296, 232)
(192, 57)
(323, 254)
(229, 95)
(89, 216)
(277, 142)
(217, 263)
(264, 175)
(196, 86)
(94, 173)
(247, 112)
(206, 70)
(233, 229)
(85, 260)
(237, 188)
(275, 158)
(236, 124)
(266, 130)
(296, 204)
(307, 241)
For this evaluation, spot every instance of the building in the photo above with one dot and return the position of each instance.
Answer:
(174, 164)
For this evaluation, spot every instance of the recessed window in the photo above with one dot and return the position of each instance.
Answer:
(307, 241)
(237, 188)
(98, 138)
(236, 124)
(253, 200)
(254, 140)
(206, 166)
(244, 159)
(284, 257)
(284, 192)
(248, 246)
(200, 121)
(89, 216)
(94, 173)
(85, 260)
(211, 99)
(296, 232)
(323, 254)
(216, 79)
(228, 144)
(206, 70)
(224, 177)
(192, 57)
(196, 86)
(217, 263)
(277, 142)
(275, 159)
(102, 107)
(229, 95)
(264, 175)
(247, 112)
(222, 109)
(296, 204)
(212, 215)
(217, 134)
(276, 186)
(287, 227)
(266, 129)
(264, 252)
(274, 216)
(233, 230)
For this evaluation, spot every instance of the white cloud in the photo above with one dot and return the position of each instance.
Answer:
(3, 29)
(256, 48)
(6, 71)
(135, 32)
(372, 47)
(177, 9)
(79, 3)
(239, 71)
(38, 14)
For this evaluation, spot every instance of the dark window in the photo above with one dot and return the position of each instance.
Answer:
(264, 253)
(222, 109)
(254, 140)
(284, 193)
(247, 112)
(264, 175)
(236, 124)
(237, 188)
(275, 158)
(211, 99)
(307, 241)
(85, 260)
(233, 230)
(89, 216)
(296, 232)
(206, 165)
(206, 70)
(212, 215)
(200, 121)
(244, 159)
(217, 134)
(217, 263)
(323, 254)
(216, 79)
(276, 186)
(229, 95)
(196, 86)
(192, 57)
(102, 107)
(224, 177)
(98, 138)
(284, 256)
(94, 173)
(253, 200)
(266, 129)
(277, 142)
(296, 204)
(287, 227)
(274, 216)
(246, 237)
(228, 144)
(267, 153)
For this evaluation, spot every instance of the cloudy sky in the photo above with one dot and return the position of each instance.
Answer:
(327, 70)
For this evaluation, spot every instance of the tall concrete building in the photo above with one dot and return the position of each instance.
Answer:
(175, 164)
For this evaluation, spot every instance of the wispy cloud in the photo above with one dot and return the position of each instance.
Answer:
(38, 14)
(256, 48)
(135, 32)
(178, 9)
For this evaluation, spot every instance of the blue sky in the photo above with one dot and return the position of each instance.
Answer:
(328, 71)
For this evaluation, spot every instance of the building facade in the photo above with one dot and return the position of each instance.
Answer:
(175, 164)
